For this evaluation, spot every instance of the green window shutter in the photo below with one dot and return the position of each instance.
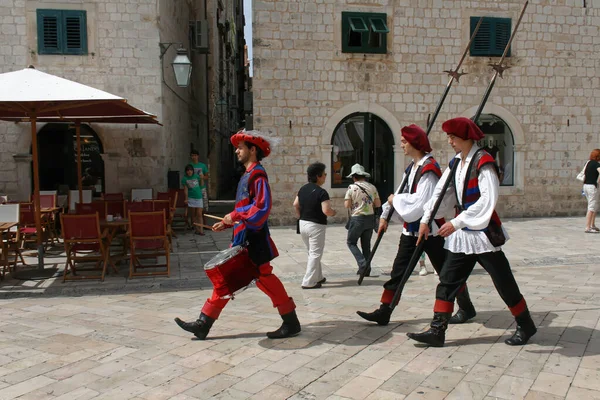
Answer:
(62, 32)
(364, 32)
(502, 35)
(492, 37)
(378, 25)
(357, 24)
(49, 32)
(75, 32)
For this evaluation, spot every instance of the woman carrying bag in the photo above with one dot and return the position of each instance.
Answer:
(361, 199)
(313, 206)
(590, 189)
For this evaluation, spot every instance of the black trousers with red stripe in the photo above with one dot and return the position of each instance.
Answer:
(456, 270)
(434, 247)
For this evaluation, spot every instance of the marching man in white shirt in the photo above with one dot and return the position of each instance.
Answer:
(422, 174)
(474, 235)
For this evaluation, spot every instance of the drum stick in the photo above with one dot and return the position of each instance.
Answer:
(204, 226)
(213, 217)
(218, 218)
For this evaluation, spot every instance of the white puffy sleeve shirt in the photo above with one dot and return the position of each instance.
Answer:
(477, 216)
(409, 206)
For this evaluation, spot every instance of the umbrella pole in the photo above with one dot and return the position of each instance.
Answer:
(79, 175)
(36, 193)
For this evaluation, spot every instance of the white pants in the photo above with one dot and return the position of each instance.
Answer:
(313, 236)
(591, 192)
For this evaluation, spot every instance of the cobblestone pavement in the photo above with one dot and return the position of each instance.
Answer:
(117, 339)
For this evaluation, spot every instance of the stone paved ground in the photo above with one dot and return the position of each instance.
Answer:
(117, 339)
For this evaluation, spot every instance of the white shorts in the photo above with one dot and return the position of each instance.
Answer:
(195, 203)
(591, 192)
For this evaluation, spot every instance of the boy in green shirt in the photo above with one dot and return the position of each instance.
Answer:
(201, 170)
(192, 187)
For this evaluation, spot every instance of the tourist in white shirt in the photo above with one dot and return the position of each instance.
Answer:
(361, 199)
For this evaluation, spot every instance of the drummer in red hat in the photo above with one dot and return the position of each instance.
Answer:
(250, 229)
(474, 235)
(418, 184)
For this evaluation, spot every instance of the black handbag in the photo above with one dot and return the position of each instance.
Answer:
(495, 234)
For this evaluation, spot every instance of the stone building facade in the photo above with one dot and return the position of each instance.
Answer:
(227, 84)
(125, 42)
(544, 114)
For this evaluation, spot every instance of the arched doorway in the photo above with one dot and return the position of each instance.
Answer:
(57, 145)
(500, 143)
(366, 139)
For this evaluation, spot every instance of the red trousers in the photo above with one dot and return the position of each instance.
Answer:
(268, 283)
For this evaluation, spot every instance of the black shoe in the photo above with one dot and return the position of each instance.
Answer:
(381, 315)
(466, 310)
(289, 328)
(462, 316)
(436, 335)
(199, 328)
(525, 330)
(317, 286)
(322, 281)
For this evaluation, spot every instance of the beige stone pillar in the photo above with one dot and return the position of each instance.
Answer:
(399, 165)
(326, 151)
(23, 162)
(111, 172)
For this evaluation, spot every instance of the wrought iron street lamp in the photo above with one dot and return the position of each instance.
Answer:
(182, 67)
(221, 106)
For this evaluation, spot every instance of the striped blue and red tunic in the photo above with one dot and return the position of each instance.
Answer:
(252, 209)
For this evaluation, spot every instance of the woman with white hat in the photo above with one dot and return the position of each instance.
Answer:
(361, 200)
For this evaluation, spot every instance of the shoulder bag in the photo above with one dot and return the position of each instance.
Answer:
(581, 175)
(376, 210)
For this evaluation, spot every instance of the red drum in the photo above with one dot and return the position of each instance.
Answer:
(231, 271)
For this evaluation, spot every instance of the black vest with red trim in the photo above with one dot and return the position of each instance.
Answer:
(428, 166)
(471, 192)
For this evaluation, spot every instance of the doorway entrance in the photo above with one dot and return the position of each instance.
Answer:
(57, 145)
(363, 138)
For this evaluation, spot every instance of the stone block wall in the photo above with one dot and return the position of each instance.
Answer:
(123, 59)
(304, 86)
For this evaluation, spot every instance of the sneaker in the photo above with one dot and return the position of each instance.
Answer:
(591, 230)
(595, 229)
(423, 271)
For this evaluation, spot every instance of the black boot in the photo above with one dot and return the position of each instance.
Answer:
(199, 328)
(436, 335)
(381, 315)
(466, 310)
(525, 329)
(289, 328)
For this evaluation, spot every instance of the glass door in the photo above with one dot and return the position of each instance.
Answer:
(365, 139)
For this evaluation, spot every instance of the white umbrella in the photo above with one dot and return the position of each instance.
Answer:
(30, 95)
